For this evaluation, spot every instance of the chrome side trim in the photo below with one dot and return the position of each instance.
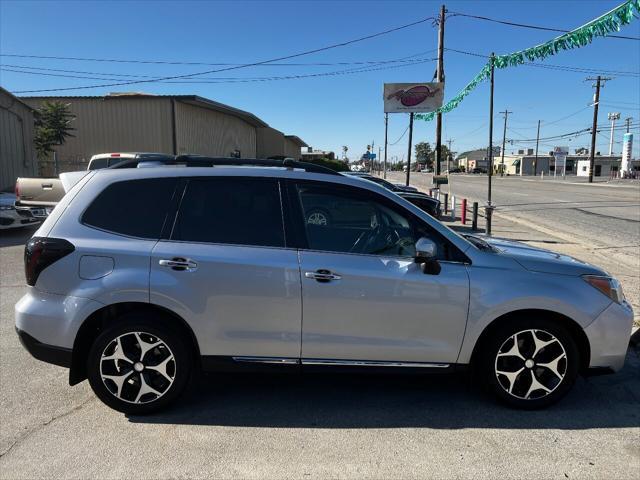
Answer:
(367, 363)
(271, 360)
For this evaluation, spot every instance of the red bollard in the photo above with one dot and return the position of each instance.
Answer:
(463, 214)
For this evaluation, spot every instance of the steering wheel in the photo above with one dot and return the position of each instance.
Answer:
(364, 239)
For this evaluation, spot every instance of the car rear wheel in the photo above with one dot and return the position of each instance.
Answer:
(139, 366)
(530, 364)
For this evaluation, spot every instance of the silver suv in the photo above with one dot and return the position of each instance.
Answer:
(142, 277)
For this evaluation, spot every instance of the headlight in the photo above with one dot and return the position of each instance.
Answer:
(607, 285)
(7, 207)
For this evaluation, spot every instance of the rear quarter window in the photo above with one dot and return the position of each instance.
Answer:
(136, 208)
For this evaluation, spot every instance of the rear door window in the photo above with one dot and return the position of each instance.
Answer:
(136, 208)
(231, 210)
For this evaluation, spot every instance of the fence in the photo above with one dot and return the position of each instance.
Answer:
(47, 168)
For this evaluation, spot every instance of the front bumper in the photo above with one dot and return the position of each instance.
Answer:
(609, 336)
(46, 353)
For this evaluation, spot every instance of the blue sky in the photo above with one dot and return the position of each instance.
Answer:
(343, 109)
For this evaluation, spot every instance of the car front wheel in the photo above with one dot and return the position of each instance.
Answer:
(138, 366)
(530, 364)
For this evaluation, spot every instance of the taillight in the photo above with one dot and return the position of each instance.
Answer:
(17, 189)
(41, 252)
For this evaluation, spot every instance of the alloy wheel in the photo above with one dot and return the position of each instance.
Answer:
(531, 364)
(137, 367)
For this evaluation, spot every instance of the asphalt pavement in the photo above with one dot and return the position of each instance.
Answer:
(313, 426)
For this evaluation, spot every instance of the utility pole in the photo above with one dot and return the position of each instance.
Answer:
(594, 128)
(613, 117)
(439, 78)
(504, 140)
(409, 150)
(488, 210)
(386, 129)
(627, 121)
(535, 162)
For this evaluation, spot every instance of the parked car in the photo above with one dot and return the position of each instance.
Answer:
(12, 216)
(424, 202)
(143, 276)
(478, 170)
(394, 187)
(47, 192)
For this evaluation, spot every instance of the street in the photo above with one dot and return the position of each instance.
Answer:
(599, 223)
(314, 426)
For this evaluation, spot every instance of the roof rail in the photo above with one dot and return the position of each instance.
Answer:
(201, 161)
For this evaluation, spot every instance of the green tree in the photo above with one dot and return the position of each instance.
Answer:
(53, 127)
(424, 153)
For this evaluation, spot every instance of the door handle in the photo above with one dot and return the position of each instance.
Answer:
(322, 276)
(179, 264)
(47, 186)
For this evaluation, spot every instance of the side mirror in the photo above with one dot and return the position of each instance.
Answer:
(426, 254)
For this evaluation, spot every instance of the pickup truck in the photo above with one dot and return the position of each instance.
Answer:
(47, 192)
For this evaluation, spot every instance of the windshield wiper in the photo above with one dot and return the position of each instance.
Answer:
(480, 243)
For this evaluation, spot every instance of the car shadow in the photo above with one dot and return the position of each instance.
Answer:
(17, 236)
(445, 401)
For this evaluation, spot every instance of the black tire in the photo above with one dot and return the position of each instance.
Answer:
(150, 330)
(500, 341)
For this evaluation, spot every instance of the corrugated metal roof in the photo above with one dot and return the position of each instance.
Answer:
(297, 140)
(191, 99)
(14, 98)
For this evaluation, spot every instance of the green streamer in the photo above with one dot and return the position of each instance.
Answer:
(602, 26)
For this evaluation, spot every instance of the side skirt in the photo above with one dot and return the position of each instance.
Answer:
(215, 363)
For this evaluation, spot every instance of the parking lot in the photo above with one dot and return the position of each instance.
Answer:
(316, 426)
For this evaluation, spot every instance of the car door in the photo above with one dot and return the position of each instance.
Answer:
(364, 297)
(225, 268)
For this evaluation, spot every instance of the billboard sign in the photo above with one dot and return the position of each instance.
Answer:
(413, 97)
(560, 155)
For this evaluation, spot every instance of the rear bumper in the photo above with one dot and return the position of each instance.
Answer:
(53, 318)
(46, 353)
(609, 337)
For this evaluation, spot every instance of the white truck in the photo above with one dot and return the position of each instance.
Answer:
(47, 192)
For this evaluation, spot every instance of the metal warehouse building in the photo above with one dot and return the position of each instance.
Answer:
(17, 157)
(175, 124)
(273, 143)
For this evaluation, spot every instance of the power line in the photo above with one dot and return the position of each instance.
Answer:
(556, 66)
(577, 133)
(168, 62)
(217, 80)
(236, 67)
(534, 27)
(37, 70)
(401, 136)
